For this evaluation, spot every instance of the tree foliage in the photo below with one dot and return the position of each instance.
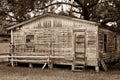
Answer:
(103, 11)
(108, 11)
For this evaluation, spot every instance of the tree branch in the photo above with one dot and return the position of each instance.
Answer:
(77, 11)
(79, 2)
(57, 3)
(14, 18)
(93, 4)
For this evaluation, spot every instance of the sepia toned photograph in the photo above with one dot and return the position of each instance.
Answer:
(59, 39)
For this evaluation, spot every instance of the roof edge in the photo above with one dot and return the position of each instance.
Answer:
(48, 14)
(27, 21)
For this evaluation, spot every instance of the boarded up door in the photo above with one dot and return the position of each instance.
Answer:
(79, 47)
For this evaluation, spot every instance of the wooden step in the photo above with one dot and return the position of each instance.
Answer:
(79, 52)
(79, 66)
(80, 62)
(80, 56)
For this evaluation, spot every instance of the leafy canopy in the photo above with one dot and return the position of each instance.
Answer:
(103, 11)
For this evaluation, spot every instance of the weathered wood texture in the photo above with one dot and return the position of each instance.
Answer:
(108, 45)
(4, 43)
(53, 35)
(4, 48)
(92, 45)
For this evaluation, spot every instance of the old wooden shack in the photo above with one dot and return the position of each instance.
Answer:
(56, 39)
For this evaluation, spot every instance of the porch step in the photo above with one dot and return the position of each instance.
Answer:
(79, 65)
(80, 62)
(80, 56)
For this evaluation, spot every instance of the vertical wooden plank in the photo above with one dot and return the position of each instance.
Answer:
(85, 47)
(97, 50)
(30, 65)
(73, 47)
(12, 48)
(11, 40)
(50, 65)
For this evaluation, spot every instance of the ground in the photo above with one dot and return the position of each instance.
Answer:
(36, 73)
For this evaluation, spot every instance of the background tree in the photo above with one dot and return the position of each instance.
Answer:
(103, 11)
(107, 12)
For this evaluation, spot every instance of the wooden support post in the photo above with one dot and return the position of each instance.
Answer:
(50, 65)
(30, 65)
(97, 48)
(97, 68)
(73, 49)
(12, 62)
(12, 48)
(72, 67)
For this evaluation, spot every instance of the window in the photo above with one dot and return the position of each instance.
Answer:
(30, 47)
(105, 42)
(29, 38)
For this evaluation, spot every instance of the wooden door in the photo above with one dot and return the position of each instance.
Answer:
(79, 47)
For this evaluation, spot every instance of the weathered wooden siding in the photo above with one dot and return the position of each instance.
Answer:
(92, 45)
(54, 36)
(118, 45)
(49, 39)
(91, 38)
(111, 44)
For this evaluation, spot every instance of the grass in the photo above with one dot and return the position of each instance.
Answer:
(26, 73)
